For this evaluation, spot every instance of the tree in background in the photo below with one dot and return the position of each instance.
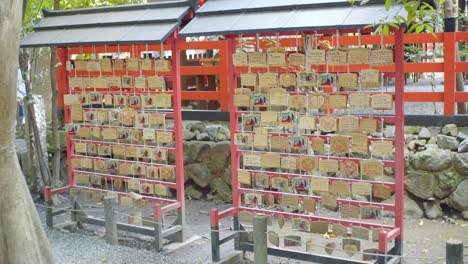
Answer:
(22, 239)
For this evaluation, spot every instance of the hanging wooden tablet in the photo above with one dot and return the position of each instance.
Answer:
(77, 112)
(307, 79)
(148, 101)
(359, 100)
(289, 200)
(122, 134)
(319, 184)
(156, 119)
(163, 137)
(152, 172)
(381, 191)
(292, 241)
(369, 125)
(317, 101)
(248, 79)
(349, 211)
(161, 190)
(360, 232)
(298, 101)
(146, 64)
(328, 166)
(112, 166)
(102, 116)
(159, 154)
(371, 167)
(318, 144)
(119, 65)
(340, 230)
(280, 220)
(308, 163)
(279, 143)
(349, 168)
(245, 216)
(82, 179)
(132, 64)
(134, 218)
(251, 160)
(243, 139)
(309, 204)
(163, 100)
(273, 238)
(76, 163)
(296, 59)
(81, 65)
(371, 254)
(329, 201)
(162, 65)
(382, 148)
(131, 152)
(136, 136)
(381, 57)
(262, 180)
(370, 78)
(149, 135)
(144, 153)
(328, 123)
(278, 99)
(306, 122)
(347, 80)
(88, 82)
(348, 123)
(141, 120)
(140, 82)
(106, 65)
(326, 79)
(244, 177)
(371, 212)
(241, 100)
(289, 163)
(300, 184)
(109, 133)
(114, 82)
(100, 82)
(80, 147)
(338, 101)
(287, 118)
(339, 144)
(260, 137)
(268, 80)
(337, 57)
(340, 188)
(155, 82)
(257, 59)
(269, 118)
(270, 160)
(382, 101)
(315, 56)
(276, 59)
(133, 185)
(299, 142)
(240, 59)
(70, 99)
(253, 199)
(142, 203)
(259, 100)
(75, 82)
(83, 99)
(90, 116)
(118, 150)
(127, 82)
(351, 246)
(361, 188)
(301, 224)
(319, 227)
(91, 149)
(96, 133)
(104, 150)
(87, 164)
(167, 174)
(146, 188)
(100, 166)
(358, 56)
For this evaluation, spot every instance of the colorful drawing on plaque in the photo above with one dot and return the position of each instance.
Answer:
(250, 120)
(287, 118)
(253, 199)
(298, 142)
(259, 100)
(300, 184)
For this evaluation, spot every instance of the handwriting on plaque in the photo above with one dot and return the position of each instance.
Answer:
(289, 163)
(240, 59)
(315, 56)
(361, 188)
(289, 200)
(318, 144)
(337, 57)
(268, 80)
(328, 123)
(155, 82)
(279, 143)
(349, 168)
(316, 101)
(287, 80)
(351, 246)
(242, 100)
(358, 56)
(381, 57)
(348, 123)
(251, 160)
(349, 211)
(164, 137)
(306, 122)
(248, 79)
(308, 163)
(273, 238)
(381, 191)
(260, 140)
(257, 59)
(337, 101)
(382, 148)
(359, 100)
(360, 232)
(277, 99)
(270, 161)
(276, 59)
(340, 187)
(309, 204)
(328, 166)
(269, 118)
(298, 101)
(369, 125)
(319, 184)
(347, 80)
(329, 201)
(370, 78)
(339, 144)
(296, 59)
(340, 230)
(382, 101)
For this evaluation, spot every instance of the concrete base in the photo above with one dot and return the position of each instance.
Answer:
(233, 258)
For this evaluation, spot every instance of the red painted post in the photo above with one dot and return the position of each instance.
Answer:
(449, 73)
(382, 246)
(61, 75)
(214, 222)
(179, 153)
(49, 204)
(224, 64)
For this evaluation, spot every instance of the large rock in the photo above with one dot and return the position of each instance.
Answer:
(227, 178)
(203, 137)
(464, 214)
(461, 136)
(187, 135)
(221, 190)
(463, 147)
(432, 140)
(447, 142)
(460, 163)
(432, 210)
(446, 182)
(449, 130)
(424, 133)
(432, 160)
(199, 173)
(389, 132)
(420, 184)
(408, 157)
(411, 208)
(219, 156)
(412, 129)
(193, 193)
(189, 148)
(459, 198)
(200, 127)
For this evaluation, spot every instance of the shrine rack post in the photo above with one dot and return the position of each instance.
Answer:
(394, 234)
(176, 231)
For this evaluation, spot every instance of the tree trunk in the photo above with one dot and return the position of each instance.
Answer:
(22, 239)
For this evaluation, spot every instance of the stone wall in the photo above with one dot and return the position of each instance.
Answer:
(436, 165)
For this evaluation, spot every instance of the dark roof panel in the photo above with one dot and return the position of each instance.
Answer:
(151, 23)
